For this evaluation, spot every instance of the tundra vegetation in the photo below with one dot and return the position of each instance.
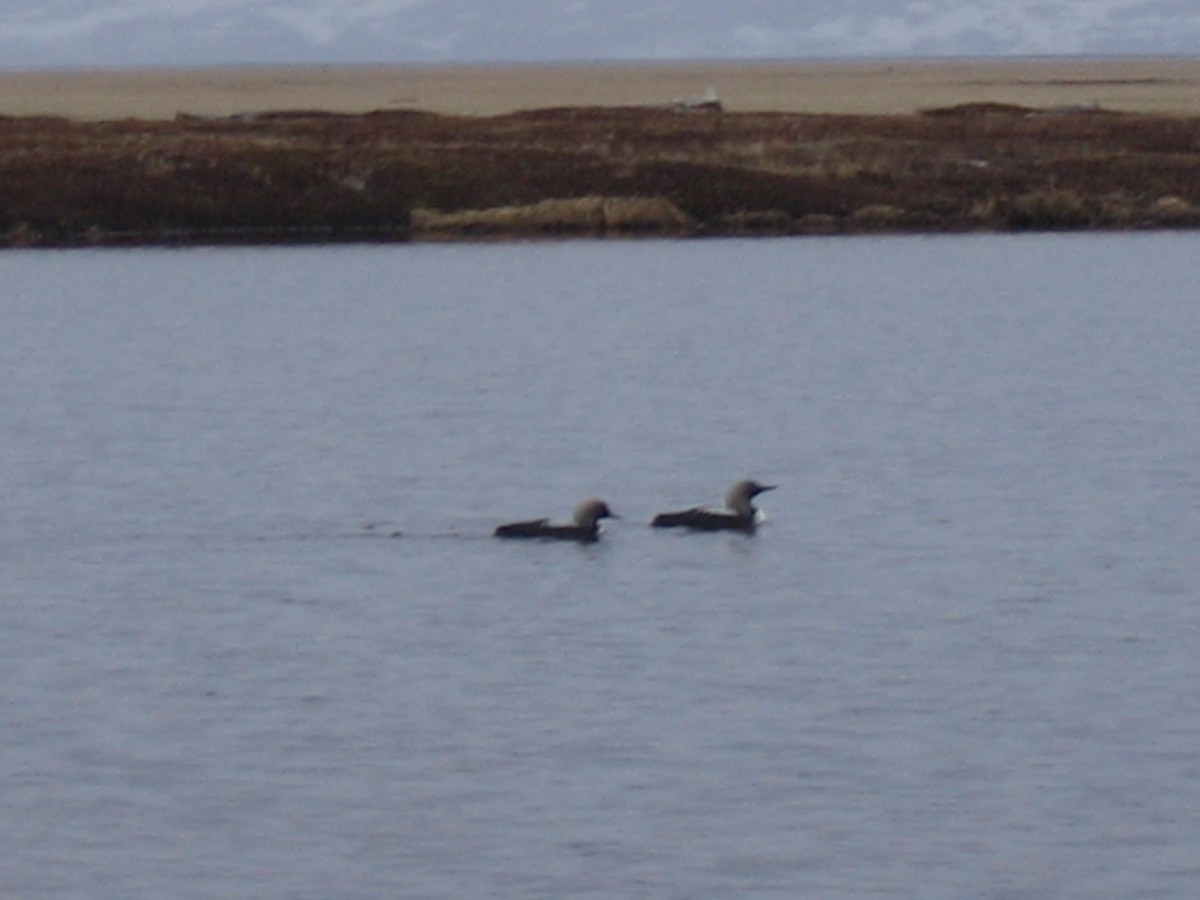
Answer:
(593, 171)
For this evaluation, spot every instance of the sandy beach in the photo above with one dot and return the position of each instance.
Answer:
(1161, 86)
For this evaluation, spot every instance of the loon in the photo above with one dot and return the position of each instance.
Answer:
(739, 514)
(585, 527)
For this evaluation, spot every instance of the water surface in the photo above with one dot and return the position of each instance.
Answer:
(960, 659)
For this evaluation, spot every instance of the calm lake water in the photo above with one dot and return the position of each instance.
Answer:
(961, 659)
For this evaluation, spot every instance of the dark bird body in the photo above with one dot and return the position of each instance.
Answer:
(585, 526)
(739, 513)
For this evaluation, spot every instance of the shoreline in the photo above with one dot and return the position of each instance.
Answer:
(591, 172)
(1147, 85)
(245, 156)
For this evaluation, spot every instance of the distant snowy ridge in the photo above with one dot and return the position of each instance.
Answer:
(206, 32)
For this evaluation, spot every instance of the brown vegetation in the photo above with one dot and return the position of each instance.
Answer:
(591, 171)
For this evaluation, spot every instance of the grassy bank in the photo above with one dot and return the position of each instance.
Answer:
(291, 177)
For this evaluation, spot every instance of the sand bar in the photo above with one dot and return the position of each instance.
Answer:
(1155, 85)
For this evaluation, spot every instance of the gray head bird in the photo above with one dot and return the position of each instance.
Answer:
(585, 526)
(739, 513)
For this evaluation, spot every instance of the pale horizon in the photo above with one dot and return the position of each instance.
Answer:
(78, 34)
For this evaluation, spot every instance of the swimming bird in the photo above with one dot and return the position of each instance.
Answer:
(739, 513)
(585, 526)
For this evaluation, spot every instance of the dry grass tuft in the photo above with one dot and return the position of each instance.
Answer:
(594, 216)
(1175, 211)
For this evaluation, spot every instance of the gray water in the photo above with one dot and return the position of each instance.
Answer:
(960, 659)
